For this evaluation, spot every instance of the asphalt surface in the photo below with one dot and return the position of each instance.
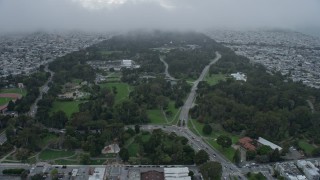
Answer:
(197, 144)
(43, 90)
(184, 115)
(168, 76)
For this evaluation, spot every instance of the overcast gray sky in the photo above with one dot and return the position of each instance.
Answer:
(102, 15)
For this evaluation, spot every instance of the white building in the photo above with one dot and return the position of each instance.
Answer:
(74, 172)
(268, 143)
(176, 173)
(289, 171)
(98, 174)
(239, 76)
(311, 172)
(129, 64)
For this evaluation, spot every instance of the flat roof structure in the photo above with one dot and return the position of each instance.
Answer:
(152, 175)
(98, 174)
(268, 143)
(180, 173)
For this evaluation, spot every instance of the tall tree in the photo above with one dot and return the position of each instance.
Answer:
(137, 129)
(207, 129)
(211, 170)
(224, 141)
(237, 157)
(201, 157)
(124, 154)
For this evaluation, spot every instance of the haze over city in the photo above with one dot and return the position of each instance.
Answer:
(109, 15)
(160, 89)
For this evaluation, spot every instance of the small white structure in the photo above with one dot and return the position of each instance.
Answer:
(176, 173)
(239, 76)
(268, 143)
(98, 174)
(309, 169)
(129, 64)
(74, 172)
(112, 148)
(20, 85)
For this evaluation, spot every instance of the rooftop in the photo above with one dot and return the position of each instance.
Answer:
(268, 143)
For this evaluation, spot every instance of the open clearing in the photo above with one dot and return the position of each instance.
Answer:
(23, 92)
(211, 139)
(308, 148)
(4, 101)
(68, 107)
(123, 90)
(214, 79)
(54, 154)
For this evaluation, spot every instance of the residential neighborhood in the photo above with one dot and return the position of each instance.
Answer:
(291, 53)
(24, 53)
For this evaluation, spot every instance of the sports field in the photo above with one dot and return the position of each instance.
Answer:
(7, 95)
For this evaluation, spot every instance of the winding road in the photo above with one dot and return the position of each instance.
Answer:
(43, 90)
(166, 71)
(184, 115)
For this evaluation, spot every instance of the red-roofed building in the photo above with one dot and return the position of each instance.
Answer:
(247, 143)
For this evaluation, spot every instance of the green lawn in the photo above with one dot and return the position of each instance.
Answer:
(77, 81)
(133, 149)
(145, 138)
(54, 154)
(4, 101)
(214, 79)
(228, 152)
(123, 90)
(256, 176)
(156, 116)
(97, 161)
(308, 148)
(47, 139)
(215, 133)
(66, 162)
(174, 118)
(23, 92)
(68, 107)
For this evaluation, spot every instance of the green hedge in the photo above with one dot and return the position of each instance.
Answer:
(17, 171)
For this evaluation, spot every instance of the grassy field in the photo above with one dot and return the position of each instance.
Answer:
(4, 101)
(123, 90)
(47, 139)
(156, 116)
(308, 148)
(145, 138)
(114, 76)
(68, 107)
(54, 154)
(66, 162)
(175, 113)
(256, 176)
(228, 152)
(23, 92)
(214, 79)
(133, 149)
(215, 133)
